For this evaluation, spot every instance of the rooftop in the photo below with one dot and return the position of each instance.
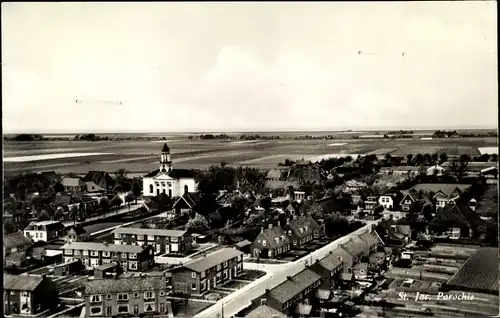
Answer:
(446, 188)
(264, 311)
(355, 246)
(156, 232)
(72, 182)
(15, 240)
(92, 246)
(294, 285)
(203, 263)
(129, 284)
(21, 282)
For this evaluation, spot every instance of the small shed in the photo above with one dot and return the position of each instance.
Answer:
(68, 268)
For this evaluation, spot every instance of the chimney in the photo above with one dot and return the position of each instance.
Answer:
(270, 225)
(267, 292)
(289, 277)
(262, 229)
(44, 276)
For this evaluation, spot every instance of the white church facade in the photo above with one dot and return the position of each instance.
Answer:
(173, 182)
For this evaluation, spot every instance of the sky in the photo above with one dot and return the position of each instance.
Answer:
(161, 67)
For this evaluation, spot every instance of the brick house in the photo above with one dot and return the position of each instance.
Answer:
(74, 185)
(270, 242)
(299, 230)
(297, 289)
(16, 248)
(205, 273)
(372, 241)
(357, 248)
(28, 294)
(44, 231)
(408, 202)
(162, 241)
(76, 234)
(130, 257)
(264, 311)
(329, 268)
(133, 296)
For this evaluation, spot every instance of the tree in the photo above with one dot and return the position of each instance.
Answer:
(197, 224)
(104, 204)
(443, 158)
(36, 201)
(163, 201)
(121, 174)
(59, 213)
(136, 190)
(409, 159)
(44, 216)
(428, 158)
(265, 203)
(116, 202)
(129, 198)
(388, 159)
(457, 167)
(420, 159)
(58, 187)
(9, 226)
(434, 158)
(336, 225)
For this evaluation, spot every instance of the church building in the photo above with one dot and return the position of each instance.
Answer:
(173, 182)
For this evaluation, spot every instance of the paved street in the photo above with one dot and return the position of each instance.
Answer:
(276, 274)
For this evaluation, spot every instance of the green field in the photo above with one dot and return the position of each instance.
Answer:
(142, 156)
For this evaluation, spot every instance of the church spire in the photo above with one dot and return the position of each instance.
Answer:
(165, 162)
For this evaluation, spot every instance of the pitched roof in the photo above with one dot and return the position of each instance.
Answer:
(459, 215)
(355, 246)
(264, 311)
(301, 226)
(446, 188)
(271, 234)
(294, 285)
(72, 182)
(21, 282)
(78, 230)
(15, 240)
(101, 178)
(165, 148)
(129, 284)
(331, 261)
(371, 238)
(191, 198)
(175, 173)
(92, 246)
(44, 224)
(157, 232)
(93, 187)
(203, 263)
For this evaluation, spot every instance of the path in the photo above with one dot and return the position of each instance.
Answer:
(120, 211)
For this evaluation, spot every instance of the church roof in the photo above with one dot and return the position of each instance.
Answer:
(165, 148)
(175, 173)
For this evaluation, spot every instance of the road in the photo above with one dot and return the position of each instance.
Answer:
(120, 211)
(275, 275)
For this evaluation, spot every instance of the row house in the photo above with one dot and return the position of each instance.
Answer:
(300, 230)
(16, 248)
(74, 185)
(370, 203)
(329, 268)
(205, 273)
(270, 242)
(44, 231)
(26, 295)
(295, 290)
(130, 257)
(76, 234)
(264, 311)
(355, 248)
(372, 240)
(133, 296)
(443, 193)
(162, 241)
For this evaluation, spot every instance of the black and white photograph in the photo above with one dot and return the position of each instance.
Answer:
(250, 159)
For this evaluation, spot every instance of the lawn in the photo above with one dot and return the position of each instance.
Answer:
(251, 274)
(235, 284)
(191, 309)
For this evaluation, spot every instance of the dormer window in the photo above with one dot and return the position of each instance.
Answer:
(263, 242)
(305, 228)
(277, 239)
(301, 230)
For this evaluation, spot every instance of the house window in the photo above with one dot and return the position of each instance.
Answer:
(140, 237)
(122, 308)
(133, 265)
(162, 307)
(109, 311)
(94, 253)
(174, 240)
(95, 311)
(162, 293)
(289, 232)
(193, 275)
(132, 256)
(225, 274)
(193, 286)
(263, 242)
(106, 254)
(186, 189)
(202, 285)
(136, 309)
(148, 307)
(68, 252)
(136, 295)
(219, 267)
(109, 297)
(151, 237)
(151, 190)
(225, 264)
(123, 297)
(149, 295)
(95, 299)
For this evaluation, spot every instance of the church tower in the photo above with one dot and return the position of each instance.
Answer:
(165, 162)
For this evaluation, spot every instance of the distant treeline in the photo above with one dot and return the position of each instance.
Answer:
(401, 132)
(228, 137)
(25, 137)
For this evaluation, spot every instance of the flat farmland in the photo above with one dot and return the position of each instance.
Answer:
(142, 156)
